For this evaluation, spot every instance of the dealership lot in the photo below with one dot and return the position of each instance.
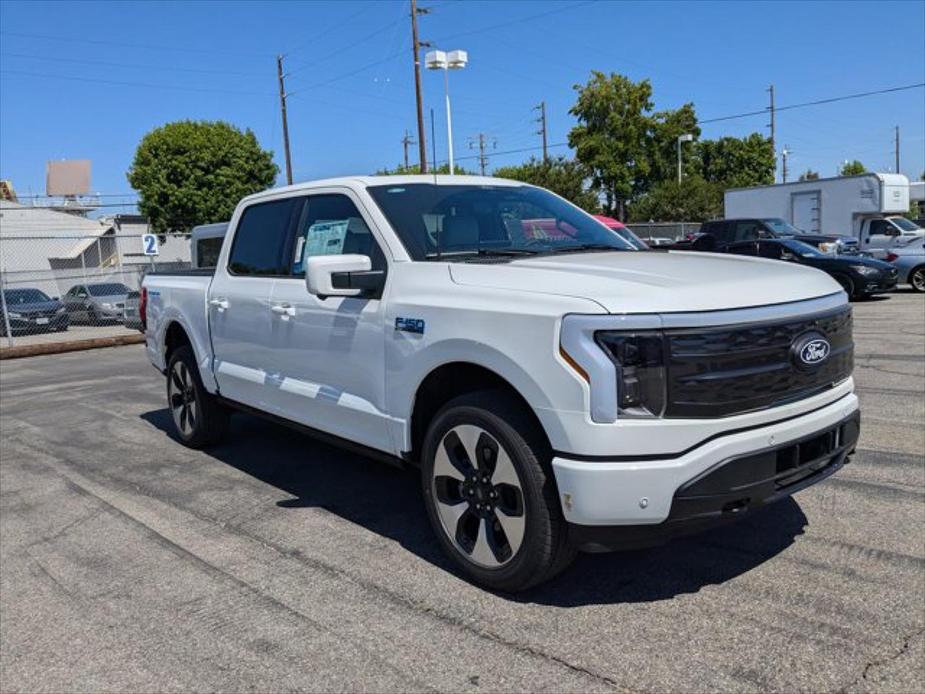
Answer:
(128, 562)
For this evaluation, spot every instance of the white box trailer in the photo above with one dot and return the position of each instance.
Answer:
(866, 207)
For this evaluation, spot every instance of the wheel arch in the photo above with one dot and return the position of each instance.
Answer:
(450, 380)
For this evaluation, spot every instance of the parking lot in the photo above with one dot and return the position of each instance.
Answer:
(276, 563)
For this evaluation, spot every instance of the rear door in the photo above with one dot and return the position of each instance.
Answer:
(239, 301)
(804, 211)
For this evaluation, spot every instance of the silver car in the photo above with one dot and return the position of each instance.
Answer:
(131, 315)
(910, 261)
(96, 303)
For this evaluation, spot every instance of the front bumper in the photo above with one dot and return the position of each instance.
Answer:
(724, 476)
(32, 325)
(885, 284)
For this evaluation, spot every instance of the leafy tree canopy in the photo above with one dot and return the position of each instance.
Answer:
(563, 176)
(612, 135)
(666, 127)
(692, 200)
(852, 168)
(194, 172)
(414, 169)
(737, 162)
(809, 175)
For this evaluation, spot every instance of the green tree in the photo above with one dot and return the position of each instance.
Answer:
(666, 127)
(193, 172)
(692, 200)
(737, 162)
(415, 169)
(563, 176)
(611, 137)
(809, 175)
(852, 168)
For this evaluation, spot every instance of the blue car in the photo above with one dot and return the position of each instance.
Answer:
(909, 260)
(30, 311)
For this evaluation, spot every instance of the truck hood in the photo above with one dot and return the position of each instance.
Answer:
(654, 282)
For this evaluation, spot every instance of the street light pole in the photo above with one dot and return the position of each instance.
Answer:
(686, 137)
(441, 60)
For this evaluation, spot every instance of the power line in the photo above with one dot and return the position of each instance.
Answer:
(131, 65)
(518, 20)
(331, 28)
(346, 48)
(152, 47)
(817, 102)
(122, 83)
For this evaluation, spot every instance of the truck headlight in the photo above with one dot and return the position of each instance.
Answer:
(829, 247)
(866, 270)
(640, 362)
(13, 314)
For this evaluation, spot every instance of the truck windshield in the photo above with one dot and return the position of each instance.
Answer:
(779, 226)
(459, 222)
(905, 224)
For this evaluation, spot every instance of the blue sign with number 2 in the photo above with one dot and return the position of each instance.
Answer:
(149, 241)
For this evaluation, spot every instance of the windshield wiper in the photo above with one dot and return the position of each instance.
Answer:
(584, 247)
(485, 253)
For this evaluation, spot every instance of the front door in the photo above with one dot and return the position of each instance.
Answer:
(328, 355)
(878, 236)
(239, 301)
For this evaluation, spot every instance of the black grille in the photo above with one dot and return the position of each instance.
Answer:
(723, 371)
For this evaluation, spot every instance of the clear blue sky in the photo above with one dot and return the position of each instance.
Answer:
(87, 80)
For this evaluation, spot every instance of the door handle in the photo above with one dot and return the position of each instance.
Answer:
(220, 303)
(284, 310)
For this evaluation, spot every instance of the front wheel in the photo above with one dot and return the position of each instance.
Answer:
(848, 286)
(917, 278)
(199, 419)
(490, 494)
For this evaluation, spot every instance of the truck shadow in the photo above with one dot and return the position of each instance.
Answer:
(386, 500)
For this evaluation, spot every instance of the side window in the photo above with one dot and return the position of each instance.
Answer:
(881, 227)
(332, 225)
(746, 231)
(257, 249)
(80, 292)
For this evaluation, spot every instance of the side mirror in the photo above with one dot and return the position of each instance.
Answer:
(342, 275)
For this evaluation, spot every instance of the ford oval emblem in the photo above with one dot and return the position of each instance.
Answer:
(811, 350)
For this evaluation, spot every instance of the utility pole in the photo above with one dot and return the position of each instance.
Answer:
(771, 125)
(784, 153)
(405, 141)
(482, 145)
(282, 106)
(542, 131)
(416, 48)
(897, 149)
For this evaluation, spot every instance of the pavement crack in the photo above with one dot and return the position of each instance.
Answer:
(885, 660)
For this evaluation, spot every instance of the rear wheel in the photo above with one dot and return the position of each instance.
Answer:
(199, 419)
(917, 278)
(490, 494)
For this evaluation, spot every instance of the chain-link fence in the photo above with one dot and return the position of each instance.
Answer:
(661, 233)
(63, 286)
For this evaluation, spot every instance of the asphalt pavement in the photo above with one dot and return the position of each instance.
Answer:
(276, 563)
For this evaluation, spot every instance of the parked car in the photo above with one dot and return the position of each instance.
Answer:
(31, 311)
(623, 231)
(131, 317)
(716, 236)
(859, 276)
(910, 262)
(96, 303)
(557, 392)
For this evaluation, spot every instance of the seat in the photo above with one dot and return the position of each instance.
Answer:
(459, 233)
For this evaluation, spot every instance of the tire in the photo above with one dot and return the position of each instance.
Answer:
(92, 318)
(466, 503)
(199, 420)
(917, 278)
(848, 285)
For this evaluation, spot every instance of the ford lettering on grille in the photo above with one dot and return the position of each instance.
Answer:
(811, 350)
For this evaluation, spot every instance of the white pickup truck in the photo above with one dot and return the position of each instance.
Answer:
(559, 390)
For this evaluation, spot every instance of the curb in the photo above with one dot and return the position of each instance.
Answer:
(73, 346)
